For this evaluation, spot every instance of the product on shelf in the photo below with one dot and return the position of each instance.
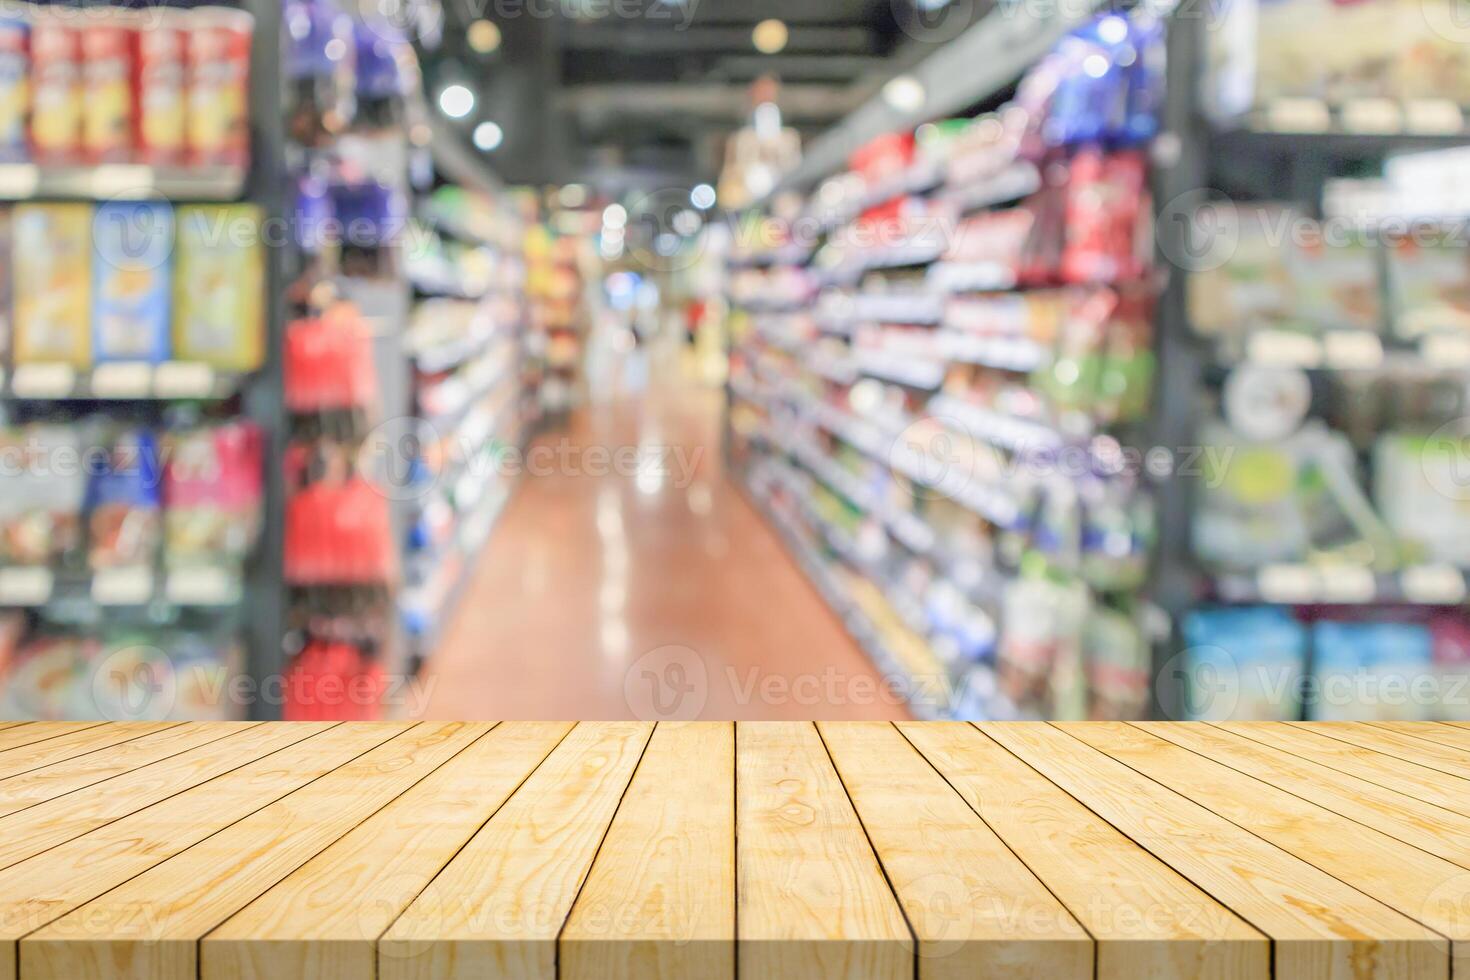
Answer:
(1412, 473)
(329, 362)
(1429, 284)
(219, 287)
(212, 494)
(1243, 664)
(334, 681)
(52, 282)
(132, 292)
(124, 505)
(42, 505)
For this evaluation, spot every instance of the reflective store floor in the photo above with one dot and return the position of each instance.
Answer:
(630, 577)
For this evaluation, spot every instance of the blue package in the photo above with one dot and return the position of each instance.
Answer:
(1242, 664)
(1145, 80)
(132, 282)
(1370, 672)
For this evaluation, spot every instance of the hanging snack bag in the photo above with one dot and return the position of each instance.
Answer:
(131, 292)
(219, 282)
(53, 284)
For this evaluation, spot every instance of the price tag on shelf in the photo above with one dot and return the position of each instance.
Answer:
(1346, 584)
(25, 586)
(126, 380)
(1446, 350)
(122, 586)
(1287, 583)
(44, 381)
(1293, 115)
(181, 379)
(1439, 117)
(1353, 350)
(19, 180)
(203, 586)
(1372, 116)
(1434, 585)
(1281, 348)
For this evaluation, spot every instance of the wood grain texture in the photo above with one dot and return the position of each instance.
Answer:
(1426, 826)
(1147, 920)
(323, 921)
(1453, 736)
(149, 927)
(40, 731)
(1423, 887)
(1410, 748)
(659, 903)
(1320, 927)
(974, 907)
(47, 783)
(16, 761)
(811, 898)
(496, 910)
(1409, 778)
(53, 882)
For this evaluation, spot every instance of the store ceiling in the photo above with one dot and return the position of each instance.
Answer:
(646, 93)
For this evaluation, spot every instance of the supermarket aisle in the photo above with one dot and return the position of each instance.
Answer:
(606, 592)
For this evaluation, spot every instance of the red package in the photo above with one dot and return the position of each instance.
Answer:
(109, 46)
(339, 534)
(329, 363)
(162, 134)
(56, 89)
(218, 80)
(1105, 205)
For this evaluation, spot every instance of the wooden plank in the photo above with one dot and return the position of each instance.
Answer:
(1423, 887)
(39, 731)
(497, 909)
(56, 881)
(811, 898)
(19, 792)
(16, 761)
(149, 927)
(1406, 747)
(974, 907)
(1430, 828)
(54, 822)
(659, 902)
(1320, 927)
(1449, 735)
(322, 922)
(1407, 778)
(1147, 920)
(9, 724)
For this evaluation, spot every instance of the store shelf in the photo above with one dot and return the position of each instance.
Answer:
(1294, 584)
(119, 182)
(168, 381)
(23, 587)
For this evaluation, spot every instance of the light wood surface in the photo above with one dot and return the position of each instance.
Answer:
(703, 851)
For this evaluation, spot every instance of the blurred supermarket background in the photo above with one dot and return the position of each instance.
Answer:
(675, 359)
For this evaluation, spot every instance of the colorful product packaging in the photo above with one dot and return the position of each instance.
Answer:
(15, 88)
(212, 492)
(57, 88)
(109, 49)
(45, 489)
(162, 131)
(218, 85)
(1371, 672)
(1429, 286)
(219, 287)
(131, 282)
(124, 505)
(53, 284)
(1241, 665)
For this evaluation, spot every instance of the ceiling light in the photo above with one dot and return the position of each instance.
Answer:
(483, 36)
(456, 101)
(703, 197)
(770, 36)
(488, 136)
(905, 93)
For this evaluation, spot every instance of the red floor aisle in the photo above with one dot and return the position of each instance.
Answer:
(657, 595)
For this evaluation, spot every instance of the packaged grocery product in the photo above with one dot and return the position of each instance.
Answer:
(319, 66)
(124, 517)
(1242, 280)
(218, 53)
(53, 283)
(15, 88)
(56, 87)
(204, 665)
(219, 287)
(212, 492)
(1429, 286)
(109, 47)
(44, 682)
(1242, 664)
(1450, 634)
(1336, 283)
(162, 90)
(1040, 661)
(1421, 488)
(1370, 672)
(132, 292)
(41, 468)
(1119, 666)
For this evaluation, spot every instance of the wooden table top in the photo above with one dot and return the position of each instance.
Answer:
(628, 850)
